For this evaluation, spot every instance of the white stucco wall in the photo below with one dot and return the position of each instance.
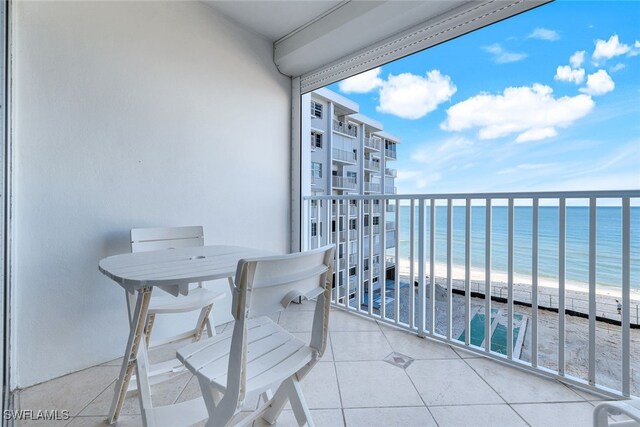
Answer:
(125, 115)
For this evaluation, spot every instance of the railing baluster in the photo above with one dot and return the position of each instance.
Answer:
(347, 250)
(421, 264)
(397, 263)
(412, 292)
(370, 289)
(510, 280)
(626, 295)
(592, 291)
(487, 278)
(432, 267)
(534, 283)
(360, 250)
(467, 273)
(562, 233)
(383, 261)
(449, 269)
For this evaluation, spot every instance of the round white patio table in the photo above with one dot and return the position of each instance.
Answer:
(171, 270)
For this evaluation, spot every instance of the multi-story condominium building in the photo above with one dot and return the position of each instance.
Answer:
(350, 154)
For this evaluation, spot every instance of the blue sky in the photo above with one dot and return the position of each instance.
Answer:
(546, 101)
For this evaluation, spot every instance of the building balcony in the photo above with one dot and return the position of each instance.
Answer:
(345, 128)
(430, 382)
(390, 189)
(372, 143)
(390, 154)
(372, 187)
(343, 183)
(343, 156)
(370, 165)
(391, 172)
(521, 312)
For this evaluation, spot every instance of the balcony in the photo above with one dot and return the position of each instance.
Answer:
(485, 281)
(370, 165)
(343, 183)
(391, 172)
(347, 129)
(390, 189)
(373, 144)
(390, 154)
(372, 187)
(343, 156)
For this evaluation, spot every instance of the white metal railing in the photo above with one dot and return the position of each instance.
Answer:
(373, 143)
(345, 128)
(372, 187)
(344, 155)
(371, 165)
(391, 172)
(390, 153)
(344, 182)
(497, 249)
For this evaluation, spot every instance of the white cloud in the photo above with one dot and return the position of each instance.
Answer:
(362, 83)
(412, 97)
(531, 113)
(565, 73)
(501, 56)
(637, 44)
(598, 83)
(544, 34)
(577, 59)
(619, 66)
(608, 49)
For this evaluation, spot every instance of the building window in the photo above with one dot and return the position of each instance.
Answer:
(314, 229)
(352, 271)
(366, 264)
(316, 109)
(316, 170)
(316, 139)
(352, 176)
(353, 224)
(376, 220)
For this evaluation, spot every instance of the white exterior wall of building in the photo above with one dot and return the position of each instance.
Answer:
(334, 140)
(126, 114)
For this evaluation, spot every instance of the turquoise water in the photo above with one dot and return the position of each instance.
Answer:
(608, 241)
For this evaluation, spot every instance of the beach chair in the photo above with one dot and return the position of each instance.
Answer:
(258, 355)
(630, 408)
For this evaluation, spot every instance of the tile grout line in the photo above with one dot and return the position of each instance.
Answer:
(91, 401)
(495, 391)
(411, 381)
(335, 369)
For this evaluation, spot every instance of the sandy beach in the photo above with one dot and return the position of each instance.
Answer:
(576, 293)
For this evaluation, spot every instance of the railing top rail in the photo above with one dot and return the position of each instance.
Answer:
(478, 196)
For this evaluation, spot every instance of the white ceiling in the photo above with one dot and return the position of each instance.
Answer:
(310, 35)
(273, 19)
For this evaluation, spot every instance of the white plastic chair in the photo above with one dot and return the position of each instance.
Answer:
(198, 298)
(630, 408)
(258, 355)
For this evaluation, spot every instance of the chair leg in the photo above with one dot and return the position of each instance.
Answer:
(280, 399)
(202, 322)
(298, 403)
(600, 416)
(148, 327)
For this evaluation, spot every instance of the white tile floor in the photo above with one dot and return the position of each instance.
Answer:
(353, 386)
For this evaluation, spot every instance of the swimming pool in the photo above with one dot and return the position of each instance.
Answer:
(499, 327)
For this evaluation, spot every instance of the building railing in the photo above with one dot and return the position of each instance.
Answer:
(390, 153)
(345, 128)
(373, 143)
(508, 266)
(391, 172)
(344, 182)
(344, 156)
(372, 187)
(371, 165)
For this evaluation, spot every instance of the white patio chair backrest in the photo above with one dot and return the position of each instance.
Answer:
(267, 285)
(159, 238)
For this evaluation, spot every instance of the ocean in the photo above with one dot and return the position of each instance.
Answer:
(608, 241)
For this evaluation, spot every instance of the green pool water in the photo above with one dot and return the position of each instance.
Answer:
(499, 334)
